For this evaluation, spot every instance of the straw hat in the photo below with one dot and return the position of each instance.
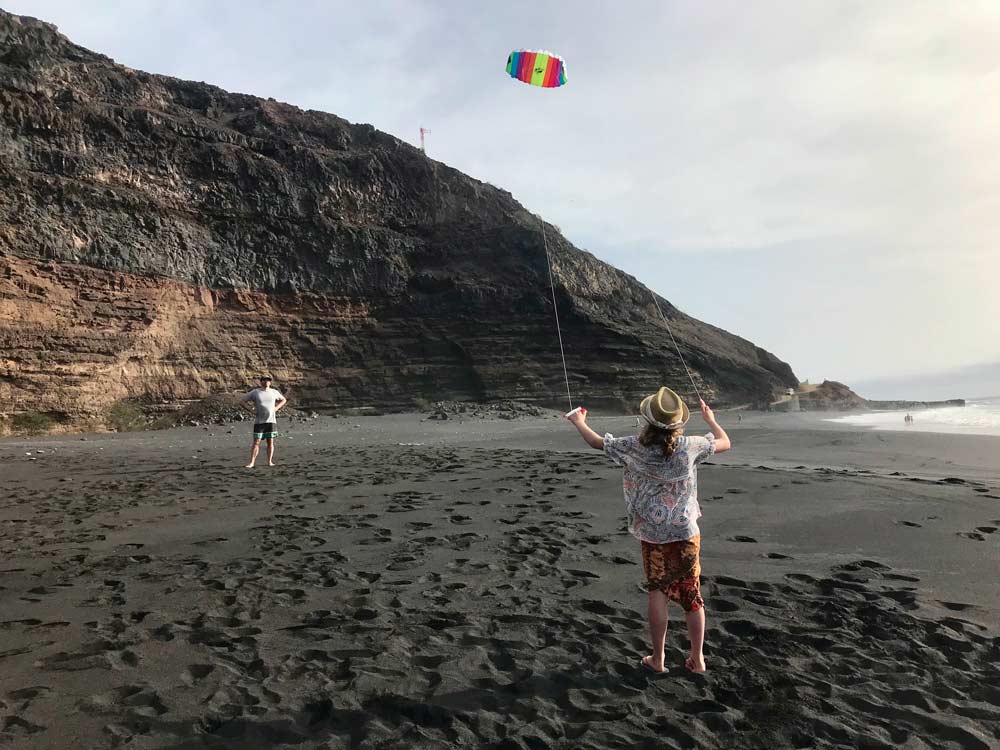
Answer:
(664, 409)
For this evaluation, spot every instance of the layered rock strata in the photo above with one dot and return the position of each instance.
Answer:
(162, 239)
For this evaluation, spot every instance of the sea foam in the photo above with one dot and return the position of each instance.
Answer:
(977, 417)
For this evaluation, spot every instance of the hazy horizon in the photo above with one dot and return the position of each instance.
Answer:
(821, 180)
(978, 382)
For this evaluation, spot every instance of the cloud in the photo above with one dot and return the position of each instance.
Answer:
(719, 136)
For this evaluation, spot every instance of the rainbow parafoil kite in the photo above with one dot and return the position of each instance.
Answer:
(537, 68)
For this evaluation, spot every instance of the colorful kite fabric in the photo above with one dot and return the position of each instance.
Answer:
(537, 68)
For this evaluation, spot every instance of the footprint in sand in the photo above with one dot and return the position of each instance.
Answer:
(15, 725)
(900, 577)
(745, 539)
(741, 628)
(140, 700)
(911, 524)
(195, 673)
(801, 578)
(972, 535)
(206, 542)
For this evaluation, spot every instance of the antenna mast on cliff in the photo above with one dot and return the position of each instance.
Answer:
(423, 132)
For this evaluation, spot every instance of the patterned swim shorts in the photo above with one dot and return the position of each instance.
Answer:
(675, 568)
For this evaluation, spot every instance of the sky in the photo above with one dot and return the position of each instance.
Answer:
(822, 178)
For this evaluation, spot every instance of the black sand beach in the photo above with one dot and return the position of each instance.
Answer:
(403, 583)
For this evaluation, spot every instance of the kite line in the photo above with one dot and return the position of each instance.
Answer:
(664, 319)
(555, 311)
(547, 70)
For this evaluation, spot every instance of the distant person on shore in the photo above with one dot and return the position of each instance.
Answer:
(661, 498)
(265, 402)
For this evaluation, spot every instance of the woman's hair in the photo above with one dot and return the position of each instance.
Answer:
(652, 435)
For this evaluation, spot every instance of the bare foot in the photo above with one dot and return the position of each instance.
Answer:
(248, 466)
(696, 666)
(653, 665)
(271, 463)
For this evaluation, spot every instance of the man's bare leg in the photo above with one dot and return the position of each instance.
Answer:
(657, 611)
(696, 634)
(253, 453)
(270, 451)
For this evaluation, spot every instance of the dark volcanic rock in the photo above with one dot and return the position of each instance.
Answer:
(833, 396)
(166, 239)
(830, 396)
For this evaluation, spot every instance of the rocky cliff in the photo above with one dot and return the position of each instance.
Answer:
(833, 396)
(162, 239)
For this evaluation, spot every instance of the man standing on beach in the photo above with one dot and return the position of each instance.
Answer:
(266, 402)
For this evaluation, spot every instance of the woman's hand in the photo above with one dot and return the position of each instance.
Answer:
(722, 442)
(578, 418)
(706, 412)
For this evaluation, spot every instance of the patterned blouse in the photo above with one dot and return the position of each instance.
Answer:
(661, 495)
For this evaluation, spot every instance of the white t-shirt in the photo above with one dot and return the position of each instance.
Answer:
(264, 399)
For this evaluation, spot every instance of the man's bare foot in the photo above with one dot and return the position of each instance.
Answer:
(696, 666)
(653, 665)
(271, 463)
(248, 466)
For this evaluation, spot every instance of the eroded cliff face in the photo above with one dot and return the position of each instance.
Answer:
(163, 239)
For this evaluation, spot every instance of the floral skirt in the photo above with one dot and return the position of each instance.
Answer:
(675, 568)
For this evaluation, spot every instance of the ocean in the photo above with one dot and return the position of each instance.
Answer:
(978, 417)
